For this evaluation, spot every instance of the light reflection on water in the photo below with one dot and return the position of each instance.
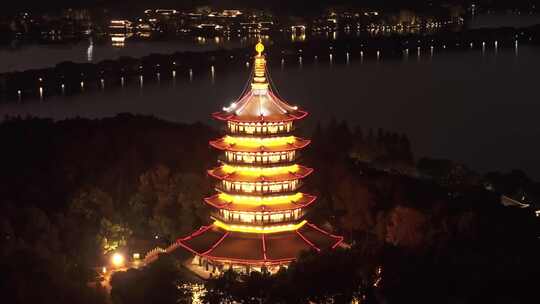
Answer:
(476, 107)
(197, 292)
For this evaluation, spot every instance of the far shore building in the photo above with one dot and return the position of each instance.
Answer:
(258, 211)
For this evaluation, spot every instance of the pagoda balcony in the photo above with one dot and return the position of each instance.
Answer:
(258, 218)
(259, 128)
(260, 158)
(259, 188)
(222, 159)
(257, 135)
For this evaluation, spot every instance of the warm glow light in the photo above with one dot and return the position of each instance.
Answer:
(259, 157)
(273, 187)
(262, 217)
(117, 259)
(259, 88)
(260, 171)
(197, 292)
(118, 38)
(230, 108)
(259, 142)
(260, 67)
(260, 127)
(260, 200)
(260, 229)
(259, 47)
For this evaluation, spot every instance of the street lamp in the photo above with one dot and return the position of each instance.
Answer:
(117, 259)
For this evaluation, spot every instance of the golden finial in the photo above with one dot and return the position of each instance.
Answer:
(259, 47)
(259, 79)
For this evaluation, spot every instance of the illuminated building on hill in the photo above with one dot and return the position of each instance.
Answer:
(258, 210)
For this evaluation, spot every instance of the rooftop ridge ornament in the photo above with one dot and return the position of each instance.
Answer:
(259, 47)
(259, 85)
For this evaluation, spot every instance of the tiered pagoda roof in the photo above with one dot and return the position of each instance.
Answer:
(230, 143)
(259, 213)
(253, 107)
(254, 249)
(299, 200)
(260, 103)
(296, 172)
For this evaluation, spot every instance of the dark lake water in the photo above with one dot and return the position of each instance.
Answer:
(37, 56)
(479, 108)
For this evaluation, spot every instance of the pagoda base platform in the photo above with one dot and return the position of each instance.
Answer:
(216, 249)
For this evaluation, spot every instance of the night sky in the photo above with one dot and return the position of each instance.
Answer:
(297, 6)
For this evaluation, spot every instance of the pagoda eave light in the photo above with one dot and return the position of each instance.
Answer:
(259, 229)
(260, 171)
(259, 201)
(257, 142)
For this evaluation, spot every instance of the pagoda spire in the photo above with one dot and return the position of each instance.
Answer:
(259, 82)
(260, 103)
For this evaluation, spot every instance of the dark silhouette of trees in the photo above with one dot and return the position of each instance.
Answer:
(406, 227)
(72, 189)
(45, 258)
(337, 275)
(161, 282)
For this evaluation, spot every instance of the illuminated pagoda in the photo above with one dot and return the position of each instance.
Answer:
(258, 211)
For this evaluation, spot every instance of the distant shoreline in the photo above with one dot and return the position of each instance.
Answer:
(69, 78)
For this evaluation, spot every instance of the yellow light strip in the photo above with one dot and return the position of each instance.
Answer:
(260, 171)
(260, 86)
(259, 229)
(260, 153)
(259, 124)
(259, 142)
(259, 201)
